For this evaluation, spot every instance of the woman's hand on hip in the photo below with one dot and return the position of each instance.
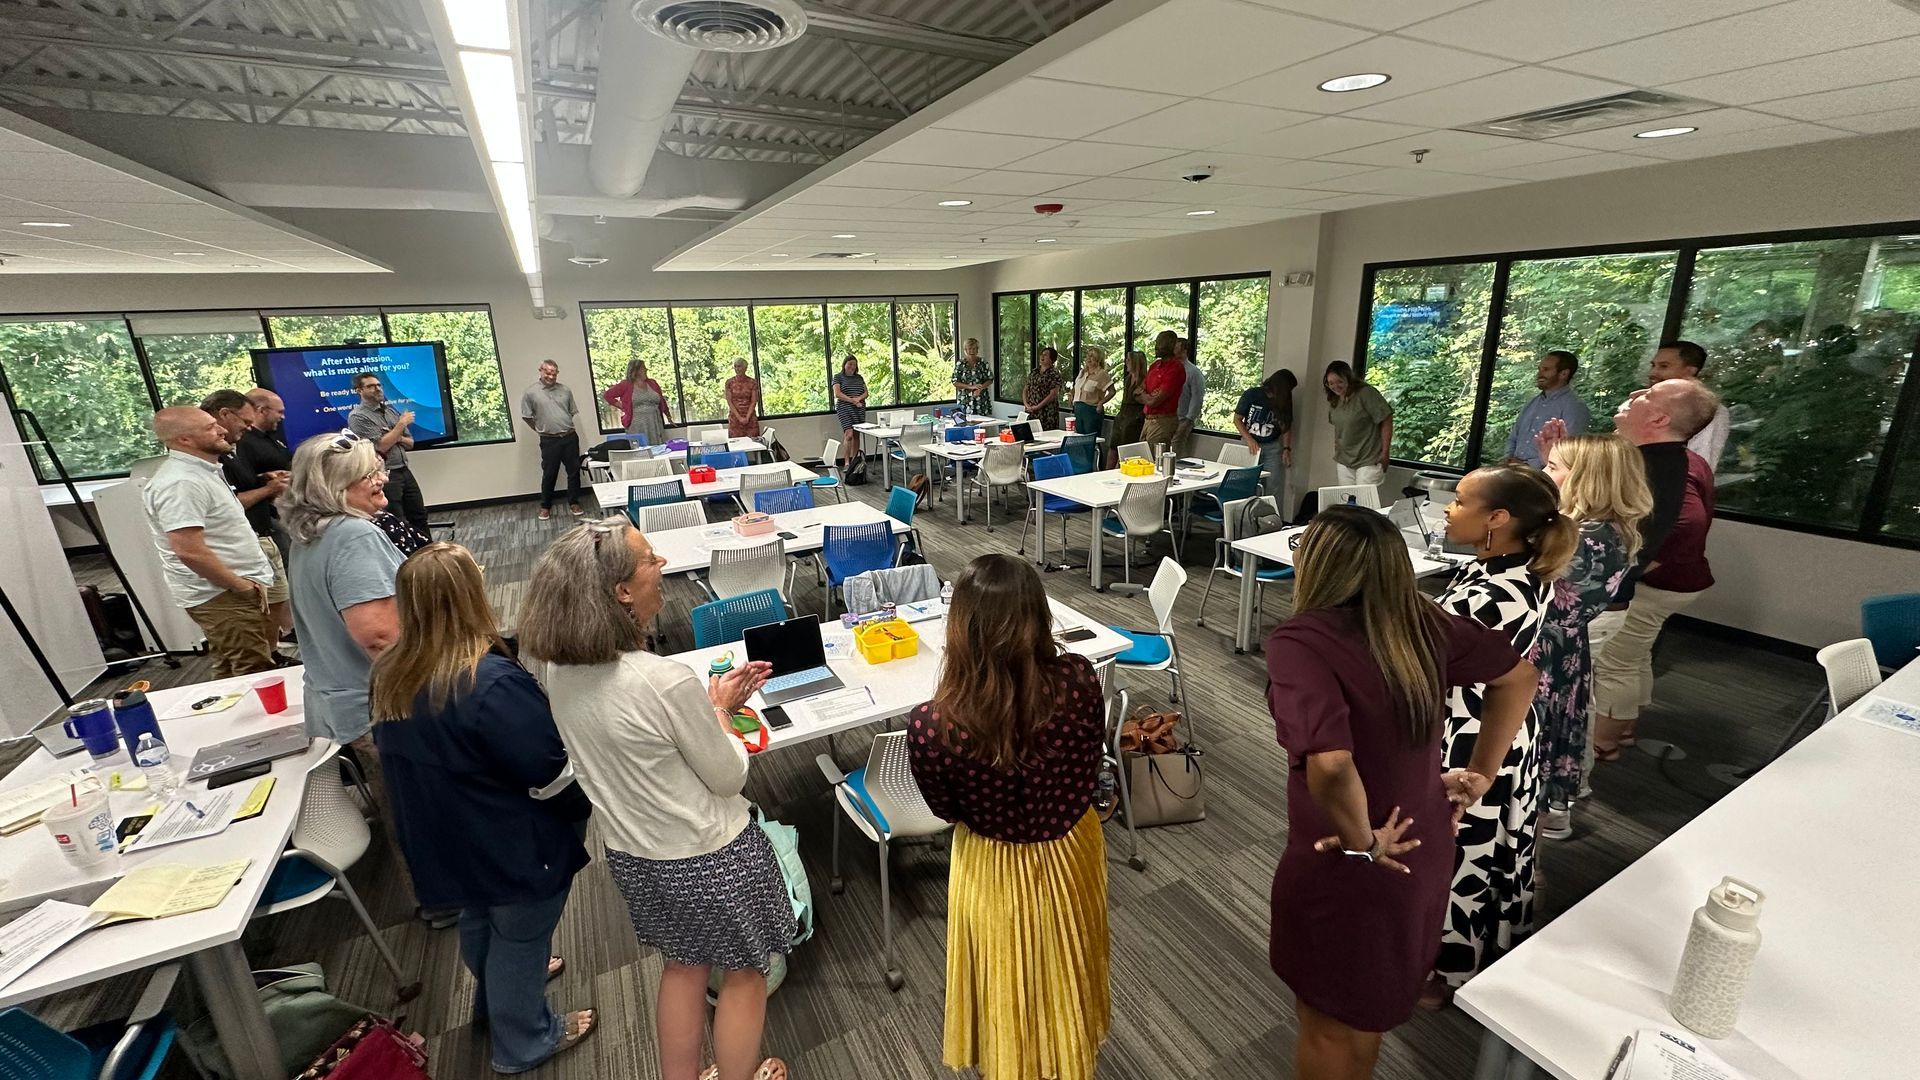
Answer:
(1386, 844)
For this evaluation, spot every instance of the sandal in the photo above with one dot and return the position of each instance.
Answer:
(770, 1069)
(555, 965)
(579, 1025)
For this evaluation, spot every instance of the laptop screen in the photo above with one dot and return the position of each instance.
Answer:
(1023, 432)
(789, 646)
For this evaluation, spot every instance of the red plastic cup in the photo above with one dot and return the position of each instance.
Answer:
(273, 694)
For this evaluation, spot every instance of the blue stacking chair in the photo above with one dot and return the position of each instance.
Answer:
(705, 453)
(721, 621)
(855, 549)
(130, 1049)
(1208, 505)
(652, 494)
(781, 500)
(1047, 468)
(960, 434)
(900, 507)
(1083, 451)
(1892, 623)
(1155, 650)
(724, 459)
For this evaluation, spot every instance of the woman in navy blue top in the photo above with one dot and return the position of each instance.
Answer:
(484, 802)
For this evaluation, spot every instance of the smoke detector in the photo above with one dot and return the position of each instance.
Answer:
(588, 261)
(729, 26)
(1048, 209)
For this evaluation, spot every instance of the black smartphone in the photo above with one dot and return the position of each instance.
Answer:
(776, 718)
(785, 535)
(234, 776)
(1078, 633)
(129, 826)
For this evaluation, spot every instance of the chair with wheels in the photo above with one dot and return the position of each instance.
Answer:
(901, 503)
(733, 571)
(1156, 650)
(1050, 467)
(1004, 466)
(784, 499)
(653, 493)
(1206, 506)
(884, 803)
(721, 621)
(1235, 521)
(855, 549)
(1892, 623)
(329, 837)
(1143, 512)
(660, 517)
(130, 1049)
(752, 483)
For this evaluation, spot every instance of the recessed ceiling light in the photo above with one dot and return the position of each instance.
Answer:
(844, 236)
(781, 255)
(1347, 83)
(956, 202)
(1665, 133)
(949, 256)
(246, 266)
(1046, 240)
(189, 254)
(48, 224)
(1201, 213)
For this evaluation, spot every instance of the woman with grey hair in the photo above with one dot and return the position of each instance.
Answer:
(657, 754)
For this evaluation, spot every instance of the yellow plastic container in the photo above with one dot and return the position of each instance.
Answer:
(892, 639)
(1137, 466)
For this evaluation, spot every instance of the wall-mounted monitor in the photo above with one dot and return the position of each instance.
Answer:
(316, 383)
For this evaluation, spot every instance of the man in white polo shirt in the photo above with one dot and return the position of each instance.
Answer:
(214, 564)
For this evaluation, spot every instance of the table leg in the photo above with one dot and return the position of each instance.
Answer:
(886, 466)
(1243, 622)
(226, 985)
(1039, 527)
(1096, 551)
(960, 496)
(1499, 1061)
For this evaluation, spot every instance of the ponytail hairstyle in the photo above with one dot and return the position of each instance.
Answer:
(1533, 502)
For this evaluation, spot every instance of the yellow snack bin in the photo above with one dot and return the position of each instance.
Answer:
(1136, 466)
(890, 639)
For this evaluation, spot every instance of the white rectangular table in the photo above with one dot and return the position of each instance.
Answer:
(1825, 832)
(691, 548)
(210, 939)
(612, 495)
(744, 445)
(961, 453)
(882, 435)
(1101, 490)
(1278, 547)
(897, 685)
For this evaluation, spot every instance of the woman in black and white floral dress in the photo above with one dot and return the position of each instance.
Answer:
(1511, 516)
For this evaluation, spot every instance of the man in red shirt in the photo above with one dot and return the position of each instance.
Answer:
(1160, 394)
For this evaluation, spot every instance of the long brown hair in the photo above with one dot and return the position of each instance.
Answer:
(1278, 388)
(1606, 481)
(1351, 556)
(446, 627)
(994, 695)
(1531, 499)
(1345, 371)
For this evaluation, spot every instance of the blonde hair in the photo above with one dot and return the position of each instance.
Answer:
(1606, 481)
(571, 615)
(1530, 499)
(1096, 356)
(446, 627)
(633, 368)
(324, 467)
(1351, 555)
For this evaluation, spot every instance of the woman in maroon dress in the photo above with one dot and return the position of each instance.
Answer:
(1358, 689)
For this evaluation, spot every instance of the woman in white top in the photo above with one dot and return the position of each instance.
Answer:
(1091, 392)
(656, 753)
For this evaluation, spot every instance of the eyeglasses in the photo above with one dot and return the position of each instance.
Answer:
(599, 530)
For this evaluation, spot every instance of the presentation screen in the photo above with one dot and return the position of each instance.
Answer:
(317, 386)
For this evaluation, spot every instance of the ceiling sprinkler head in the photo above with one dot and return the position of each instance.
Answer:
(1420, 155)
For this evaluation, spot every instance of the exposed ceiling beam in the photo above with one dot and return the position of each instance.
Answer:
(219, 97)
(835, 22)
(722, 142)
(791, 107)
(93, 28)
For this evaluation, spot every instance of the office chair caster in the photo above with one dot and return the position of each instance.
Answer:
(1137, 863)
(895, 980)
(838, 886)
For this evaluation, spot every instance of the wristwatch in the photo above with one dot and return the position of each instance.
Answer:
(1350, 853)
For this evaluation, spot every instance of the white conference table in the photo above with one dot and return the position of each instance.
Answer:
(882, 434)
(612, 495)
(210, 939)
(1101, 490)
(1825, 832)
(691, 548)
(1278, 547)
(973, 452)
(897, 685)
(741, 444)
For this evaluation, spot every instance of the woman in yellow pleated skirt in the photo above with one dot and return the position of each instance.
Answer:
(1008, 750)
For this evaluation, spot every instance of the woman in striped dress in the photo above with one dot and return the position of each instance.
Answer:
(850, 406)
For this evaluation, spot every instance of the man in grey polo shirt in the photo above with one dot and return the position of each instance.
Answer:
(1193, 397)
(547, 407)
(389, 431)
(214, 565)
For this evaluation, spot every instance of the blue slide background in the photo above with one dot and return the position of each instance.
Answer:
(316, 385)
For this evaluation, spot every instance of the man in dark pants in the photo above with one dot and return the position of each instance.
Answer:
(547, 407)
(390, 432)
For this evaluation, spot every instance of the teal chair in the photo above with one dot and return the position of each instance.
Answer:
(900, 507)
(657, 493)
(721, 621)
(132, 1049)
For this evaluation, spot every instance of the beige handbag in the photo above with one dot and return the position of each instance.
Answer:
(1164, 777)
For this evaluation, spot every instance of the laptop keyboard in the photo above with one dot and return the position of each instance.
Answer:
(796, 678)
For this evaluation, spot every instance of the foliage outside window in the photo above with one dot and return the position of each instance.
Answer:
(865, 332)
(81, 380)
(925, 332)
(188, 367)
(473, 367)
(1424, 342)
(617, 336)
(1012, 344)
(1103, 326)
(708, 340)
(1157, 308)
(1053, 325)
(1230, 344)
(792, 348)
(324, 328)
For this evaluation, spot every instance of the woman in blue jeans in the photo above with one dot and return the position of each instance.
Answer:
(483, 799)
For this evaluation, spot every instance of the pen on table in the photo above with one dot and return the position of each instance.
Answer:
(195, 811)
(1907, 718)
(1619, 1056)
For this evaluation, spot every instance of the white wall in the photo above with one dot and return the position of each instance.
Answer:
(460, 258)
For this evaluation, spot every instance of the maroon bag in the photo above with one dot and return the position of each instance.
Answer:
(372, 1049)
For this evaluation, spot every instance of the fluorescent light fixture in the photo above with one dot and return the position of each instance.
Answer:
(1665, 133)
(491, 85)
(188, 254)
(1349, 83)
(844, 236)
(781, 255)
(1046, 240)
(246, 266)
(511, 178)
(863, 255)
(949, 256)
(1201, 213)
(48, 224)
(956, 202)
(479, 24)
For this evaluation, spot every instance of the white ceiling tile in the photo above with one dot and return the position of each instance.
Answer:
(1874, 123)
(1116, 187)
(1415, 66)
(1019, 182)
(1351, 202)
(1503, 93)
(1052, 109)
(1535, 30)
(1497, 161)
(1712, 123)
(1121, 208)
(1317, 137)
(1575, 166)
(1374, 14)
(1853, 101)
(1199, 123)
(1807, 75)
(1238, 42)
(1091, 158)
(1438, 145)
(823, 194)
(899, 178)
(1418, 181)
(1800, 28)
(980, 149)
(1277, 197)
(1691, 146)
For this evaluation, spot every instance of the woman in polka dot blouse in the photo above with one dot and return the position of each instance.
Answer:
(1008, 750)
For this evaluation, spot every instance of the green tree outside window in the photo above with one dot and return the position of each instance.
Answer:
(866, 331)
(1230, 345)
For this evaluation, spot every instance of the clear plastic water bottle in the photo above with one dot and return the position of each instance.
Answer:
(946, 594)
(156, 764)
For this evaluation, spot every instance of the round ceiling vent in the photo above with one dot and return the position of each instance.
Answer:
(723, 25)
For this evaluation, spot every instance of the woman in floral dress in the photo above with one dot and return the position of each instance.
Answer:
(973, 381)
(1603, 487)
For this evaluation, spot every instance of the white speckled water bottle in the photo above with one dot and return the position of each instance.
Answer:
(1721, 945)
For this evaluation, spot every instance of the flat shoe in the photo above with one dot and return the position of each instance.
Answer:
(555, 965)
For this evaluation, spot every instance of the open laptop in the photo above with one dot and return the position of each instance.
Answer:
(1023, 432)
(798, 656)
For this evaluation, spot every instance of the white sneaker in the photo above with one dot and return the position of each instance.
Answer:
(1556, 824)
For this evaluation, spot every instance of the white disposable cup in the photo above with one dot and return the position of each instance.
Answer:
(84, 832)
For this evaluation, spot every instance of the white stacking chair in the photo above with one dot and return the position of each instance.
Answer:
(1156, 650)
(1116, 706)
(911, 449)
(678, 515)
(747, 568)
(1236, 455)
(329, 837)
(615, 457)
(1367, 495)
(829, 466)
(640, 468)
(884, 803)
(1853, 671)
(1143, 511)
(1136, 450)
(712, 435)
(1233, 521)
(1003, 466)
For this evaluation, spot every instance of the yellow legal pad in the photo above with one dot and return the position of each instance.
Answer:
(256, 799)
(155, 892)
